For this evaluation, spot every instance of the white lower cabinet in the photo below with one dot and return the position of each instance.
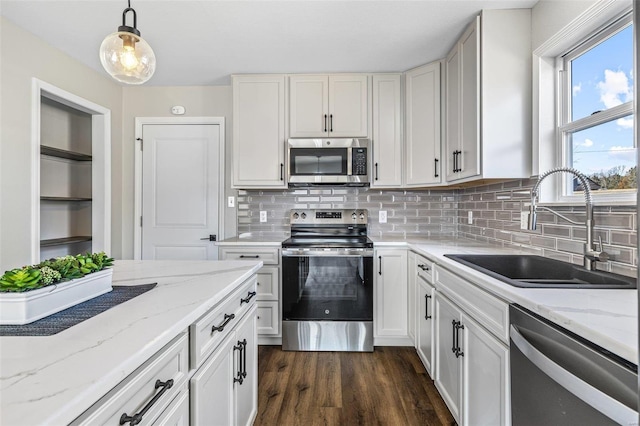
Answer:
(472, 367)
(425, 323)
(224, 389)
(391, 300)
(177, 414)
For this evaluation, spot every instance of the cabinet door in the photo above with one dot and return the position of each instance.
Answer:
(448, 367)
(469, 160)
(212, 387)
(412, 301)
(348, 106)
(309, 106)
(423, 142)
(452, 106)
(387, 131)
(268, 318)
(391, 293)
(258, 131)
(247, 391)
(425, 324)
(486, 377)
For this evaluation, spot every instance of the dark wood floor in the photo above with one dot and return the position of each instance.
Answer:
(387, 387)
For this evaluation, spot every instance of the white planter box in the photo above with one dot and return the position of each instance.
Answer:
(26, 307)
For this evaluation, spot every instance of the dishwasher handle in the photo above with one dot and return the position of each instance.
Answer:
(593, 396)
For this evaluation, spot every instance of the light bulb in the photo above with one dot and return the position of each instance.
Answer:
(128, 58)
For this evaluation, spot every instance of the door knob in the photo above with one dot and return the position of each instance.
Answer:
(211, 237)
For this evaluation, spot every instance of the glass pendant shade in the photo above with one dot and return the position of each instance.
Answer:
(127, 57)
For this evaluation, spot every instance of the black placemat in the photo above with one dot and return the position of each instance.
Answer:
(54, 324)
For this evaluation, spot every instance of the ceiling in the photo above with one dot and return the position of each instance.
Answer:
(203, 42)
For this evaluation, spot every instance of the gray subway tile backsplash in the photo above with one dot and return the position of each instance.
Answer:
(443, 213)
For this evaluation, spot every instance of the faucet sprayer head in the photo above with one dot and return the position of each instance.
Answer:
(533, 218)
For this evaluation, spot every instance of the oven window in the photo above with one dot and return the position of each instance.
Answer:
(318, 161)
(327, 288)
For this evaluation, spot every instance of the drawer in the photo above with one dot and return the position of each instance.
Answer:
(213, 327)
(489, 311)
(136, 391)
(268, 318)
(424, 268)
(268, 285)
(269, 256)
(177, 413)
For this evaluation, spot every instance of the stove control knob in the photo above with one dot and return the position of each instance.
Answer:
(353, 216)
(361, 216)
(303, 215)
(296, 215)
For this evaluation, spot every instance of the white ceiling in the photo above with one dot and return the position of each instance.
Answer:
(203, 42)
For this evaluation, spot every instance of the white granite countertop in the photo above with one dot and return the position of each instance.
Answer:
(608, 318)
(52, 380)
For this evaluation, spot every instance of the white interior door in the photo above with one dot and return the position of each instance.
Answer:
(180, 181)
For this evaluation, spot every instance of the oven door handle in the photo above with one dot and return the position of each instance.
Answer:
(591, 395)
(320, 252)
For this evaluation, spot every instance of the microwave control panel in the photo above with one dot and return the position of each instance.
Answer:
(359, 161)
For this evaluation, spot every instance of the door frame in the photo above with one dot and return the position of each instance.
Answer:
(137, 207)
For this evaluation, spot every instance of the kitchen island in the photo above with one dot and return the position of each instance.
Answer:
(53, 380)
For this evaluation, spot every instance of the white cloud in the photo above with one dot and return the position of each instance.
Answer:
(625, 123)
(587, 143)
(615, 89)
(623, 153)
(577, 88)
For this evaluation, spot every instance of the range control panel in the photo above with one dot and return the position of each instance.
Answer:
(333, 216)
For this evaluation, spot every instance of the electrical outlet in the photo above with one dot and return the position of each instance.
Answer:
(524, 220)
(263, 215)
(231, 201)
(382, 216)
(470, 218)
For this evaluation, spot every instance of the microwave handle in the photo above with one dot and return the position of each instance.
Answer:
(349, 162)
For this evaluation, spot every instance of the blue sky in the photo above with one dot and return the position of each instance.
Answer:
(603, 78)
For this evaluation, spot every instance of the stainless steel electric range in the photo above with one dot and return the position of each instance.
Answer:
(327, 283)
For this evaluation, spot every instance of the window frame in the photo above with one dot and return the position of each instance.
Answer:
(565, 127)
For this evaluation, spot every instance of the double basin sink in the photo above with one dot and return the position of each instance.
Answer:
(541, 272)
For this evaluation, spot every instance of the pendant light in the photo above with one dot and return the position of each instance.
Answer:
(125, 55)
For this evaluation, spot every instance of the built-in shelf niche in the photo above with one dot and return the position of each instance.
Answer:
(74, 186)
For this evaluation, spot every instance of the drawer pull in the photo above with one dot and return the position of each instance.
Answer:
(248, 298)
(137, 418)
(243, 256)
(221, 327)
(423, 267)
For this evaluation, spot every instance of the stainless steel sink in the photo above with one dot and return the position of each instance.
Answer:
(541, 272)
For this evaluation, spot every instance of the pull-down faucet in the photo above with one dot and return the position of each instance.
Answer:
(591, 255)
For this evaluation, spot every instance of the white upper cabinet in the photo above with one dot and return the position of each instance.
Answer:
(329, 106)
(423, 137)
(387, 131)
(259, 131)
(488, 99)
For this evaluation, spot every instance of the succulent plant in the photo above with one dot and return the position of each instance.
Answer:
(17, 280)
(49, 275)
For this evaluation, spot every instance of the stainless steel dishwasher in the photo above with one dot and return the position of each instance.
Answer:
(558, 378)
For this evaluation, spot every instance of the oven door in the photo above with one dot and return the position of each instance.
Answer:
(327, 285)
(327, 300)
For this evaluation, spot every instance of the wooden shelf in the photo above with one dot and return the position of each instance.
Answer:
(42, 198)
(62, 153)
(64, 241)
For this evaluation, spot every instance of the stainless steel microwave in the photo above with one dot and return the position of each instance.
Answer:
(345, 162)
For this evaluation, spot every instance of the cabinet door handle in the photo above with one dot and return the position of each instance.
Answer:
(459, 326)
(248, 298)
(379, 265)
(220, 328)
(435, 168)
(330, 122)
(239, 378)
(426, 307)
(376, 165)
(325, 123)
(137, 418)
(244, 256)
(423, 267)
(244, 358)
(281, 171)
(453, 336)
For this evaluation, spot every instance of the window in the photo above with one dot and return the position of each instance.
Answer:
(596, 112)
